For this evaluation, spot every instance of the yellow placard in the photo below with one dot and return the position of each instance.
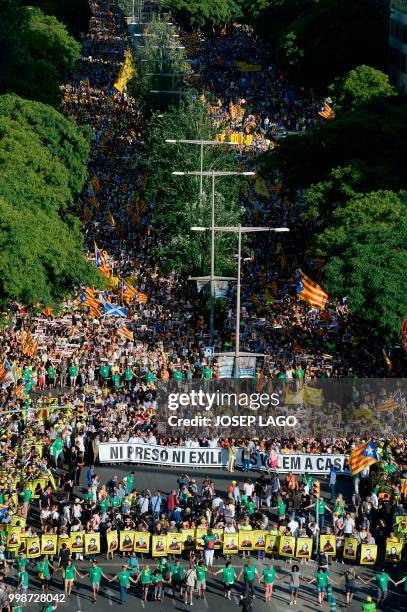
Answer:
(218, 533)
(393, 551)
(259, 539)
(246, 540)
(77, 541)
(13, 539)
(303, 548)
(33, 548)
(199, 533)
(287, 546)
(92, 543)
(327, 544)
(49, 543)
(350, 548)
(63, 539)
(126, 540)
(159, 546)
(18, 521)
(112, 541)
(272, 542)
(174, 543)
(230, 543)
(141, 541)
(188, 539)
(368, 554)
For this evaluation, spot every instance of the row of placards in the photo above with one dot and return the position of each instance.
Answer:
(191, 539)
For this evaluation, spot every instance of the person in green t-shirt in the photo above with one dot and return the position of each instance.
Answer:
(52, 373)
(22, 578)
(382, 579)
(116, 380)
(176, 576)
(201, 571)
(228, 577)
(124, 579)
(322, 578)
(56, 449)
(320, 505)
(73, 374)
(129, 483)
(177, 375)
(207, 373)
(104, 371)
(249, 572)
(145, 579)
(69, 577)
(281, 508)
(369, 605)
(401, 582)
(44, 573)
(209, 540)
(268, 578)
(95, 574)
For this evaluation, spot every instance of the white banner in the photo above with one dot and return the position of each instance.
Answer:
(298, 464)
(122, 452)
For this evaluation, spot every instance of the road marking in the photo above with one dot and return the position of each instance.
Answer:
(205, 602)
(143, 605)
(109, 594)
(78, 599)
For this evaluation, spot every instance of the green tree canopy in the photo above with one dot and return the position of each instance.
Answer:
(204, 14)
(42, 169)
(177, 205)
(366, 251)
(75, 14)
(39, 53)
(359, 87)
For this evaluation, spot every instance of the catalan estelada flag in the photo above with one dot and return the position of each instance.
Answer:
(311, 292)
(327, 111)
(363, 456)
(124, 331)
(141, 298)
(128, 292)
(101, 262)
(88, 298)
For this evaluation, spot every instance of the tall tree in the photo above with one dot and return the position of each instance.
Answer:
(361, 86)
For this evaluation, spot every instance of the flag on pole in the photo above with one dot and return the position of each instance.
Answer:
(362, 457)
(387, 360)
(141, 298)
(128, 292)
(101, 262)
(127, 72)
(88, 298)
(392, 403)
(124, 331)
(310, 291)
(327, 111)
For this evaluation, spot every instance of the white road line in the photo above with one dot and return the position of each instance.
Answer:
(143, 605)
(78, 599)
(205, 602)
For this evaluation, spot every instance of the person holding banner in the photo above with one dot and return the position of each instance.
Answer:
(228, 576)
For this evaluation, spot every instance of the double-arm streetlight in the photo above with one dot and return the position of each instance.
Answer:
(212, 278)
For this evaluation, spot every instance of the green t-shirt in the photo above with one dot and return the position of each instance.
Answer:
(43, 568)
(116, 380)
(209, 541)
(51, 373)
(176, 571)
(228, 575)
(146, 577)
(104, 371)
(73, 370)
(104, 504)
(58, 445)
(201, 572)
(163, 566)
(69, 572)
(21, 563)
(249, 572)
(23, 578)
(128, 374)
(158, 578)
(382, 581)
(27, 495)
(95, 574)
(150, 377)
(251, 508)
(281, 508)
(129, 482)
(369, 606)
(269, 575)
(114, 501)
(207, 373)
(322, 579)
(177, 375)
(321, 507)
(123, 578)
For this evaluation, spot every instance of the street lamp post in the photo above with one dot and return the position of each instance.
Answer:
(239, 230)
(212, 228)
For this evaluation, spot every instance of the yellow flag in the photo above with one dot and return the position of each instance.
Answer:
(127, 72)
(315, 397)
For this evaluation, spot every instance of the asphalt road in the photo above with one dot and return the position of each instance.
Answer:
(156, 477)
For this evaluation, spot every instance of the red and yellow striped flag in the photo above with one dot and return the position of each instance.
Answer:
(310, 291)
(124, 331)
(363, 456)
